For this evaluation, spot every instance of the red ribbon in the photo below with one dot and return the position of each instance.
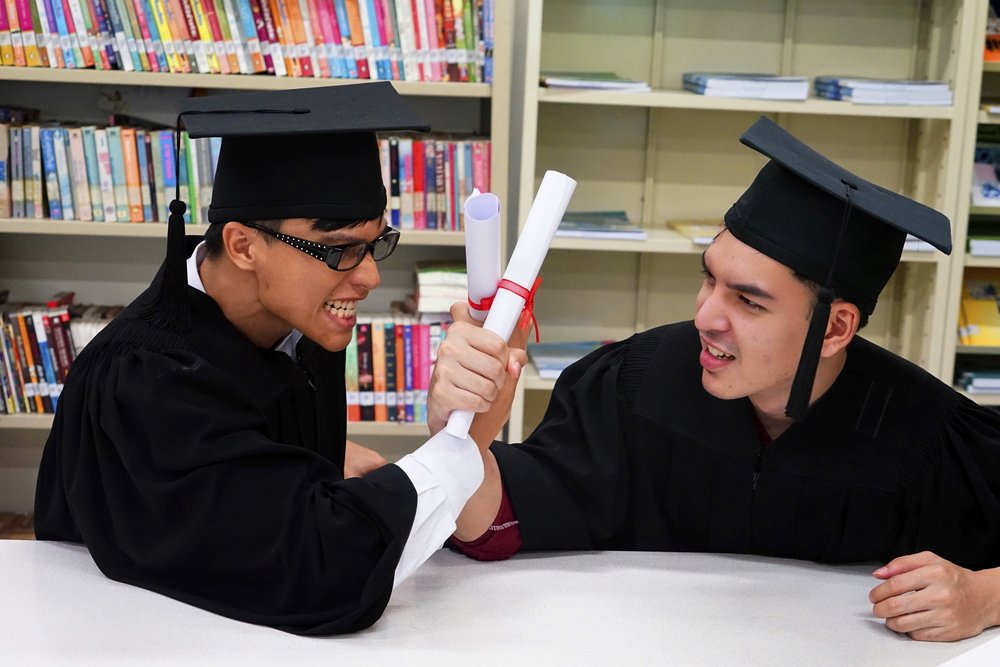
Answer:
(527, 312)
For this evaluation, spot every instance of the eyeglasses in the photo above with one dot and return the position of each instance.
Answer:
(339, 257)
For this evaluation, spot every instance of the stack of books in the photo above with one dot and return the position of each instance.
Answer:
(599, 225)
(753, 86)
(861, 90)
(984, 237)
(551, 359)
(979, 316)
(701, 232)
(593, 80)
(439, 284)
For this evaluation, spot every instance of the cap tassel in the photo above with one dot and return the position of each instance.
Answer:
(170, 309)
(805, 376)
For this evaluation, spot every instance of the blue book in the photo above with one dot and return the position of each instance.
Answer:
(166, 149)
(55, 8)
(408, 371)
(93, 175)
(118, 173)
(60, 141)
(551, 359)
(49, 169)
(347, 49)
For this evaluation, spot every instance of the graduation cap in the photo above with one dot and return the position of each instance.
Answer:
(307, 153)
(828, 225)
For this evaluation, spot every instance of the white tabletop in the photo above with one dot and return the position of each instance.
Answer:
(604, 608)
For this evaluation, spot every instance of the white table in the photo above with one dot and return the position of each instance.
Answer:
(607, 608)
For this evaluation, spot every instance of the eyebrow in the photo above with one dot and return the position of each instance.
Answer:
(746, 288)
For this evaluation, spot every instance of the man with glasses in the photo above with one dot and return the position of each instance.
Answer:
(199, 445)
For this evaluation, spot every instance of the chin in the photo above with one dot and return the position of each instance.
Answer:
(719, 389)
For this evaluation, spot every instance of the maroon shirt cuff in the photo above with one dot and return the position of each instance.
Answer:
(501, 540)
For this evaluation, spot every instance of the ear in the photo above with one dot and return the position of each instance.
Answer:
(240, 244)
(840, 328)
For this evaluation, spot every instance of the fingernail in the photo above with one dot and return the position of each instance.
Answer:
(517, 369)
(881, 571)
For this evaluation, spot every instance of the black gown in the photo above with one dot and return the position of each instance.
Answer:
(201, 467)
(634, 454)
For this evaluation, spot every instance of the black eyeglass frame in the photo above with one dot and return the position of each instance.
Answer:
(332, 255)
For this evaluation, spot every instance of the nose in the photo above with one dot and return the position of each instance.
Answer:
(710, 314)
(366, 273)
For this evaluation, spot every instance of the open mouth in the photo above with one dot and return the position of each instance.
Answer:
(342, 309)
(718, 354)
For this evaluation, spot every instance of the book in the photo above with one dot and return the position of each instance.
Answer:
(593, 81)
(599, 225)
(984, 237)
(979, 316)
(551, 359)
(747, 85)
(864, 90)
(701, 232)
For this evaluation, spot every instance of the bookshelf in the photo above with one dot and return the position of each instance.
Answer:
(669, 154)
(985, 85)
(113, 262)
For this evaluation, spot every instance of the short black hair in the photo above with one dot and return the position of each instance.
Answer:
(814, 288)
(213, 237)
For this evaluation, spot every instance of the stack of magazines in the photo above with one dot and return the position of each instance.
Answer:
(884, 91)
(754, 86)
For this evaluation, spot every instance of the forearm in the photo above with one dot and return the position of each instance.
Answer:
(482, 507)
(990, 582)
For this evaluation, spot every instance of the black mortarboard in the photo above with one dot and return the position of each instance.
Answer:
(307, 153)
(831, 226)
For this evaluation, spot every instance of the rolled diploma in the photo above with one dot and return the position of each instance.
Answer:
(482, 247)
(533, 243)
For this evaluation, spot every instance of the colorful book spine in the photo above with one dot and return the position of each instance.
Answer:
(117, 157)
(408, 371)
(379, 369)
(205, 19)
(142, 157)
(47, 371)
(136, 41)
(6, 43)
(80, 43)
(357, 36)
(133, 182)
(183, 29)
(302, 44)
(156, 45)
(5, 203)
(153, 148)
(29, 40)
(351, 379)
(366, 380)
(48, 35)
(400, 362)
(281, 28)
(390, 369)
(236, 42)
(127, 56)
(105, 177)
(33, 170)
(276, 49)
(60, 140)
(105, 35)
(346, 46)
(78, 174)
(168, 160)
(51, 175)
(251, 36)
(58, 11)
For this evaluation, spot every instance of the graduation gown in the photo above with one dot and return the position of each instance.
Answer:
(201, 467)
(634, 454)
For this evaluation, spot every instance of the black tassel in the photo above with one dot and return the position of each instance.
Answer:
(171, 308)
(805, 376)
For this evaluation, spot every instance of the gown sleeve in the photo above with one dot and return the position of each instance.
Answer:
(953, 505)
(166, 471)
(568, 480)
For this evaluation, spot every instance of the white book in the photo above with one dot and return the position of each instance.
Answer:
(107, 182)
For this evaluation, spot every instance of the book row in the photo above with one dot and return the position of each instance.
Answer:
(36, 351)
(388, 368)
(859, 90)
(411, 40)
(388, 363)
(128, 174)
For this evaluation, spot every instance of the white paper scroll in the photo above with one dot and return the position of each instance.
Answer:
(533, 243)
(482, 247)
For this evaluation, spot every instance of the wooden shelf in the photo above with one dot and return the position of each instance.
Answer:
(976, 260)
(981, 399)
(682, 99)
(229, 81)
(976, 349)
(44, 423)
(990, 211)
(43, 226)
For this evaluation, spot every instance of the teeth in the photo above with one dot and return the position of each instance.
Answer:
(343, 309)
(718, 354)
